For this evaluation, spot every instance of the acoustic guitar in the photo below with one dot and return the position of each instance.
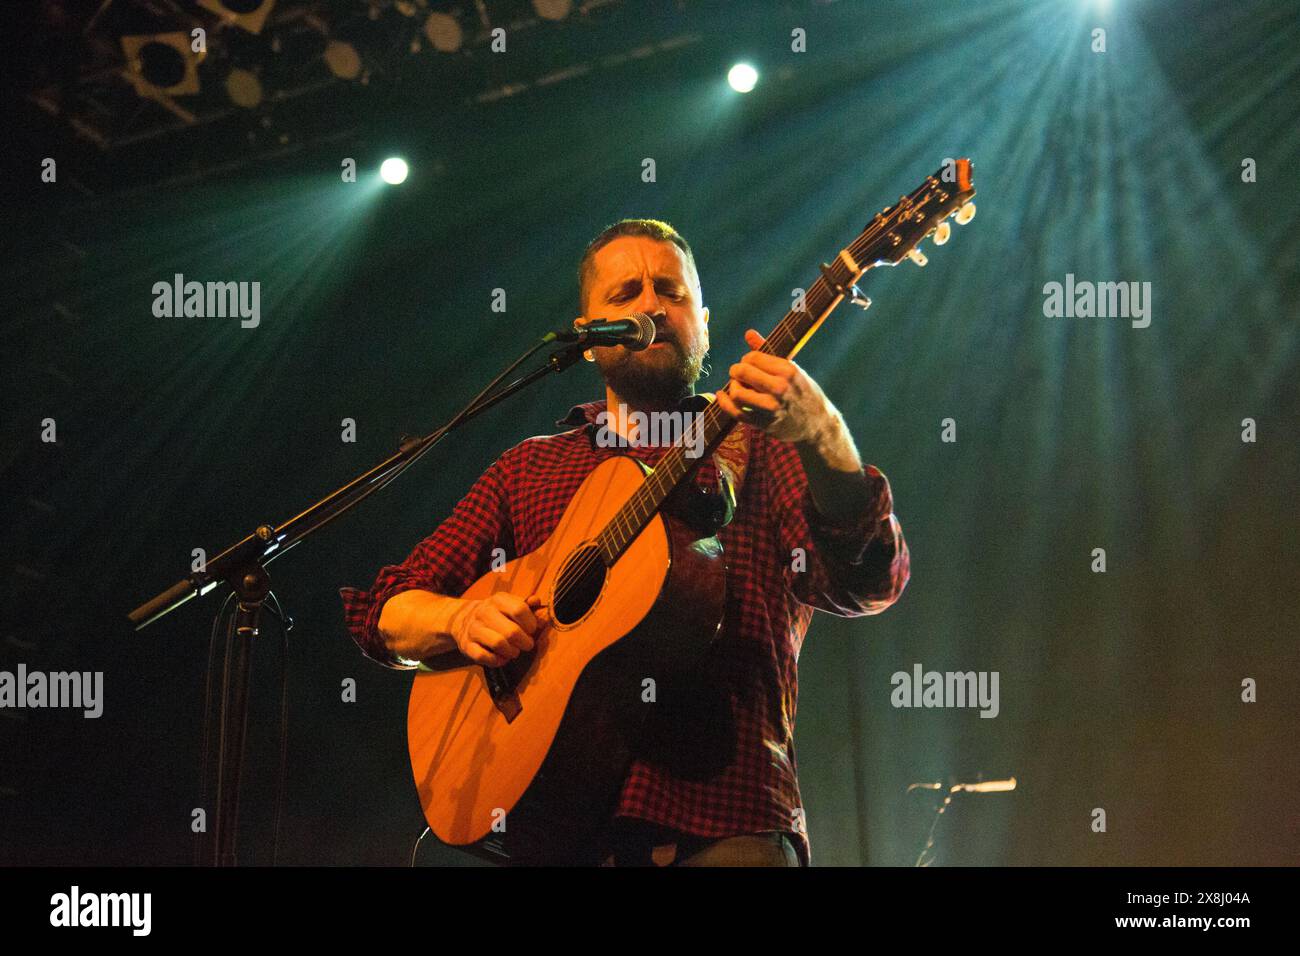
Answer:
(526, 761)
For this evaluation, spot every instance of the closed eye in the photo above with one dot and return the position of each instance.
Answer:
(668, 289)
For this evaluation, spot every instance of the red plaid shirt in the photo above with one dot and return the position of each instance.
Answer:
(849, 571)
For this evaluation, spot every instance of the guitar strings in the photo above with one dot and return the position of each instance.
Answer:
(650, 491)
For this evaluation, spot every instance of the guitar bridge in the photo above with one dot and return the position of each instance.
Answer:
(501, 683)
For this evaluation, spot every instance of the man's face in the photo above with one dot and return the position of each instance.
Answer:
(640, 274)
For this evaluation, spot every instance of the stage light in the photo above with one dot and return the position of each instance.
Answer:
(161, 64)
(742, 77)
(553, 9)
(343, 60)
(393, 171)
(444, 32)
(244, 88)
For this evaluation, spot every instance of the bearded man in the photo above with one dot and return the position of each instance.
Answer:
(812, 528)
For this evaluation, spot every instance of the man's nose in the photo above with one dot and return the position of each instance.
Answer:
(649, 304)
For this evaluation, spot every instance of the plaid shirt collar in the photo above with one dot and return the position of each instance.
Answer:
(586, 413)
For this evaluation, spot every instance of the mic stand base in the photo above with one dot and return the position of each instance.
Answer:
(251, 589)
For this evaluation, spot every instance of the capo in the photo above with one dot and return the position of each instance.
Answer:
(833, 282)
(850, 292)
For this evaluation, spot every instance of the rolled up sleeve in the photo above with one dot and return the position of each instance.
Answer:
(848, 569)
(448, 561)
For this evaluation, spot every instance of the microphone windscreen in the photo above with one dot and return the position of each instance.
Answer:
(646, 325)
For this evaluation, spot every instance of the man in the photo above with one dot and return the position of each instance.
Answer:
(812, 528)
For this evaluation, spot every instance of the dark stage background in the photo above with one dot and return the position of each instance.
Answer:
(1119, 690)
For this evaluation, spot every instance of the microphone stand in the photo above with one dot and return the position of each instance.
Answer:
(983, 786)
(242, 566)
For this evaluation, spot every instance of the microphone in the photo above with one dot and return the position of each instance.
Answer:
(987, 786)
(983, 786)
(636, 332)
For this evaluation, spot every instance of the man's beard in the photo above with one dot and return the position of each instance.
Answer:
(656, 379)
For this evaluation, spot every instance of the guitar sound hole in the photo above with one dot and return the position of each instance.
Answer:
(578, 585)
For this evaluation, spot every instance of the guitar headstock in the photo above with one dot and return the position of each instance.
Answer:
(896, 232)
(892, 236)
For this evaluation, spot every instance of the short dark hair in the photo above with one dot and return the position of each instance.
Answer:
(649, 228)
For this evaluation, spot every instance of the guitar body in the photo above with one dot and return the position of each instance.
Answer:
(533, 754)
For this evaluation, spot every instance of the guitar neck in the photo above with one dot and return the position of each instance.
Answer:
(886, 240)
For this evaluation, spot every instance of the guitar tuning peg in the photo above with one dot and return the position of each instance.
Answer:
(917, 256)
(942, 232)
(965, 214)
(857, 298)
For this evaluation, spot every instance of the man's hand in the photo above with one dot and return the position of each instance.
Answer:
(782, 399)
(498, 628)
(785, 402)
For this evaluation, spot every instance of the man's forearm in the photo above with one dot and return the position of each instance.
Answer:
(416, 625)
(839, 490)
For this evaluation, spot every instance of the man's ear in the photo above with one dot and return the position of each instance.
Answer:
(706, 315)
